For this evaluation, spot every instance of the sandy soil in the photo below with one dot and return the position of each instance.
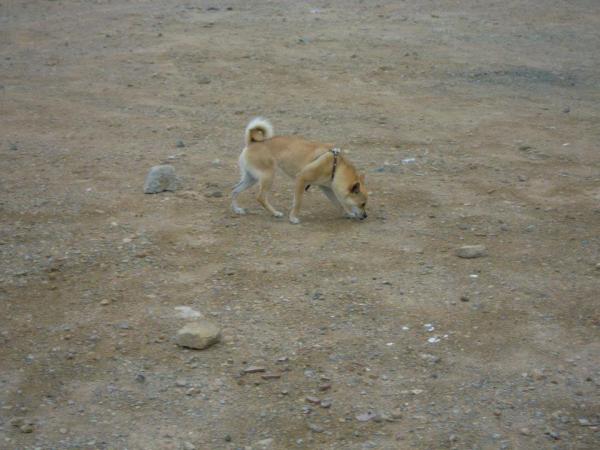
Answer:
(476, 122)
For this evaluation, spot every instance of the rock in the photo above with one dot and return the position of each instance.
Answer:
(365, 417)
(324, 387)
(105, 302)
(27, 428)
(396, 414)
(538, 374)
(161, 178)
(315, 428)
(198, 335)
(264, 444)
(254, 369)
(271, 376)
(525, 431)
(313, 400)
(471, 251)
(140, 378)
(179, 144)
(326, 403)
(430, 358)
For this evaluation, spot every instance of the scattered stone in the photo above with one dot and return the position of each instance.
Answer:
(365, 417)
(396, 414)
(464, 298)
(283, 359)
(203, 79)
(324, 387)
(181, 383)
(105, 302)
(471, 251)
(188, 446)
(179, 144)
(566, 110)
(554, 435)
(161, 178)
(214, 194)
(326, 403)
(13, 147)
(522, 178)
(538, 374)
(584, 422)
(313, 400)
(264, 444)
(27, 428)
(198, 335)
(430, 358)
(530, 228)
(315, 428)
(140, 378)
(525, 431)
(216, 162)
(309, 373)
(254, 369)
(24, 425)
(271, 376)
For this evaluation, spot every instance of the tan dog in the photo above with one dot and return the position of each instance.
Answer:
(310, 163)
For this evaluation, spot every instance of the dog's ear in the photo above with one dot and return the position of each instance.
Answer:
(355, 189)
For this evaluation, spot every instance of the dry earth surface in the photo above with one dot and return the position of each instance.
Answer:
(476, 122)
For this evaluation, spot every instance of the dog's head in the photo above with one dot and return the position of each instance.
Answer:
(355, 198)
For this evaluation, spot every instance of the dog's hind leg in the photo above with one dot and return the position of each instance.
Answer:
(265, 182)
(246, 182)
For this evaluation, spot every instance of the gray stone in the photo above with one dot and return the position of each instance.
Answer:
(264, 444)
(315, 428)
(198, 335)
(161, 178)
(471, 251)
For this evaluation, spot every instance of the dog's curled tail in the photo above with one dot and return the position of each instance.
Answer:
(258, 129)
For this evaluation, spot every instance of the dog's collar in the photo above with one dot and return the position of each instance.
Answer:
(336, 152)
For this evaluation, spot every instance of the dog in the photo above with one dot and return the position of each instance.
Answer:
(309, 163)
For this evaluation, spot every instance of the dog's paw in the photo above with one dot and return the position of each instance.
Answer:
(238, 210)
(278, 214)
(294, 220)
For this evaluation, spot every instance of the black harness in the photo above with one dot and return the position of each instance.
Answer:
(336, 152)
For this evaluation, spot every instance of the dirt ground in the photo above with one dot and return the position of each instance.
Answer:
(476, 122)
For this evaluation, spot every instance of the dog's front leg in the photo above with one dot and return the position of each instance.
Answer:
(298, 193)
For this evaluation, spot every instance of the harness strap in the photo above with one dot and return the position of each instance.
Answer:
(336, 152)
